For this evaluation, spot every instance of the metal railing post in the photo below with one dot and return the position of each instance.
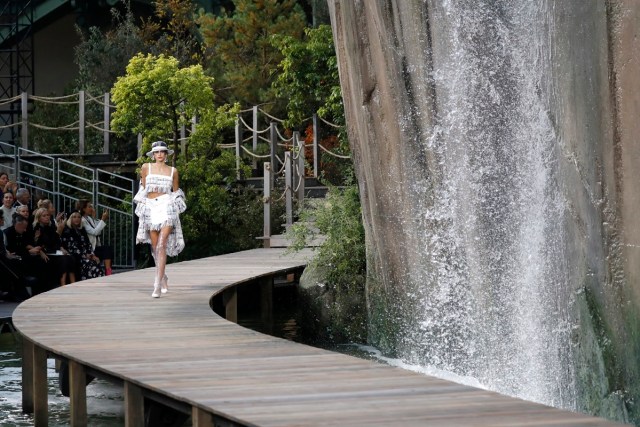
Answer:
(24, 101)
(107, 123)
(288, 188)
(255, 135)
(273, 145)
(267, 205)
(316, 138)
(300, 183)
(81, 118)
(238, 142)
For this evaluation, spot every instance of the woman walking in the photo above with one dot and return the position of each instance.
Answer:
(159, 203)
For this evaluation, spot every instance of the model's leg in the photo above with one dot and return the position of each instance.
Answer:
(161, 254)
(154, 237)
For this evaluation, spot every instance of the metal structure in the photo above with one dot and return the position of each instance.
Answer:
(65, 182)
(16, 61)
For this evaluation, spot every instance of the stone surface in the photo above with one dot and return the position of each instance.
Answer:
(392, 55)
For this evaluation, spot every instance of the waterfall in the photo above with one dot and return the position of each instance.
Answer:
(495, 300)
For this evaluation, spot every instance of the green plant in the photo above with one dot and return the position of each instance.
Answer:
(340, 259)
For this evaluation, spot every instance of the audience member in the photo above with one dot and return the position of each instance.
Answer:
(21, 246)
(58, 222)
(23, 197)
(6, 186)
(94, 231)
(47, 237)
(7, 209)
(76, 241)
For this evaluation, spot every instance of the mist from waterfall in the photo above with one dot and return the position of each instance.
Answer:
(494, 288)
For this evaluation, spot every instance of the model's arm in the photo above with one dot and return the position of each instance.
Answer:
(176, 180)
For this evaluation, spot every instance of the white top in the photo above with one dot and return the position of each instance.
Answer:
(157, 183)
(7, 213)
(93, 228)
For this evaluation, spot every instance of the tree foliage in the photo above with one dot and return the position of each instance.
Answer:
(241, 56)
(308, 77)
(156, 97)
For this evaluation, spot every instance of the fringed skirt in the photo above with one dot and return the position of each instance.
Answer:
(155, 214)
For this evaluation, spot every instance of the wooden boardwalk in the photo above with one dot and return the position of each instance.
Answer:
(177, 350)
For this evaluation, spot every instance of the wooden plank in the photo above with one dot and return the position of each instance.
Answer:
(175, 347)
(133, 405)
(40, 397)
(78, 391)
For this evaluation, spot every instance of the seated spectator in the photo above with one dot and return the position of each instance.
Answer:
(13, 280)
(6, 186)
(46, 236)
(7, 209)
(94, 231)
(21, 247)
(76, 241)
(23, 197)
(58, 222)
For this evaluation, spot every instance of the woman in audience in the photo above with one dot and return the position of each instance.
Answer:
(7, 210)
(58, 222)
(20, 245)
(47, 237)
(94, 229)
(6, 186)
(76, 241)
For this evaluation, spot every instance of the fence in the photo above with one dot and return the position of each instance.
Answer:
(65, 182)
(287, 156)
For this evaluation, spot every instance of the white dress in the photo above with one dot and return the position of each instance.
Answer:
(163, 211)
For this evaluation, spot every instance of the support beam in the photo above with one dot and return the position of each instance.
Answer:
(27, 376)
(78, 398)
(230, 300)
(40, 396)
(133, 405)
(266, 235)
(266, 304)
(201, 418)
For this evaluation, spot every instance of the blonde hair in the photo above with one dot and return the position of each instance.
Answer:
(37, 214)
(44, 203)
(69, 224)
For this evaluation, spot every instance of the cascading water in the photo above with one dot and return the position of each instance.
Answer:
(495, 294)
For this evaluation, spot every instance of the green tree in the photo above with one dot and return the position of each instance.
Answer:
(241, 56)
(308, 78)
(156, 97)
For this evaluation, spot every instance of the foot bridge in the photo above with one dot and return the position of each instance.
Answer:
(176, 351)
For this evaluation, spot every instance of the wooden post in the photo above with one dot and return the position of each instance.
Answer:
(266, 304)
(238, 142)
(316, 138)
(24, 100)
(140, 143)
(27, 376)
(266, 236)
(107, 123)
(40, 401)
(78, 397)
(300, 177)
(201, 418)
(133, 405)
(81, 121)
(273, 143)
(230, 300)
(255, 135)
(288, 188)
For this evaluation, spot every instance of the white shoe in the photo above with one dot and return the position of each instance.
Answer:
(156, 290)
(164, 285)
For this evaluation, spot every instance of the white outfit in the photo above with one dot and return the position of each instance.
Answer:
(93, 228)
(163, 211)
(7, 213)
